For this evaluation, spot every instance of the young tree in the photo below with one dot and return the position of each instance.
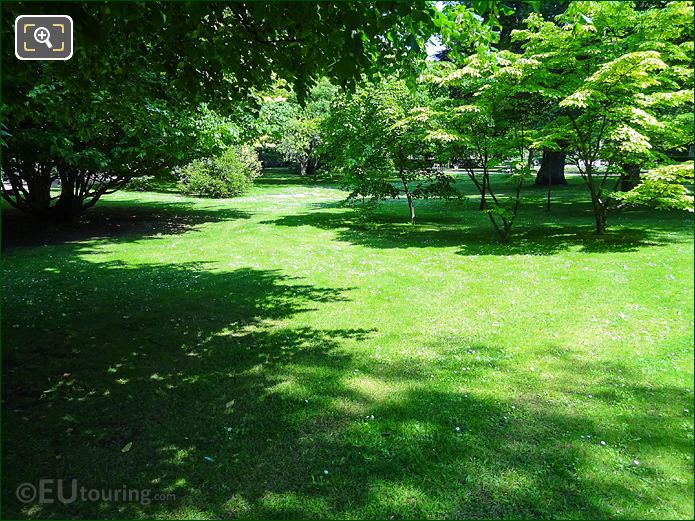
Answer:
(301, 143)
(379, 134)
(612, 68)
(489, 124)
(301, 135)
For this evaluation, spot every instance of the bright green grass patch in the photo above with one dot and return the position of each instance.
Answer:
(376, 370)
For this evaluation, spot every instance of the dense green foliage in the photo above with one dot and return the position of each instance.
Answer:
(126, 104)
(608, 84)
(431, 372)
(294, 129)
(227, 175)
(378, 134)
(623, 82)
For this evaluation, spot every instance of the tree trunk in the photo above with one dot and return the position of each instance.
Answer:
(600, 216)
(600, 212)
(411, 206)
(311, 168)
(631, 178)
(506, 233)
(406, 188)
(69, 206)
(67, 209)
(486, 182)
(552, 168)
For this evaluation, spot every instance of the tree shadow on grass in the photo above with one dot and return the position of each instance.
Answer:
(238, 408)
(120, 219)
(473, 238)
(152, 355)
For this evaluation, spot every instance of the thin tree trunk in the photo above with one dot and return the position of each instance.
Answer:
(599, 208)
(406, 188)
(486, 183)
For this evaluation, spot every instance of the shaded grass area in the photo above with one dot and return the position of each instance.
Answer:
(275, 356)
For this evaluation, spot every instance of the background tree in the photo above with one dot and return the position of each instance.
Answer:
(301, 136)
(606, 62)
(139, 71)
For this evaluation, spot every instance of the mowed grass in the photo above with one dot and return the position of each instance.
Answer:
(274, 356)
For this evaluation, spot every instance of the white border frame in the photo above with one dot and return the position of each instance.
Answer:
(16, 40)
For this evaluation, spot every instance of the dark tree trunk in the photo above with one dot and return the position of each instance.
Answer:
(631, 178)
(311, 168)
(600, 222)
(552, 170)
(31, 184)
(486, 182)
(68, 208)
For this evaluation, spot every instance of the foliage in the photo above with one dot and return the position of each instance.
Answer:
(620, 78)
(664, 187)
(141, 184)
(299, 127)
(125, 105)
(227, 175)
(380, 135)
(300, 143)
(484, 116)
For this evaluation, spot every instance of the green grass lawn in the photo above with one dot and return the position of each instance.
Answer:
(271, 356)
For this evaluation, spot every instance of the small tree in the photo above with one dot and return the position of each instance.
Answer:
(295, 129)
(488, 124)
(379, 135)
(301, 144)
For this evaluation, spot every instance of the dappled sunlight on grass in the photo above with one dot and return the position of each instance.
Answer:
(274, 357)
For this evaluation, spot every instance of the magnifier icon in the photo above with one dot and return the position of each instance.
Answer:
(42, 35)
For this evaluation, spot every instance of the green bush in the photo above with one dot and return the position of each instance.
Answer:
(228, 175)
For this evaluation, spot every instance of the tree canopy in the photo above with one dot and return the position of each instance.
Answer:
(128, 100)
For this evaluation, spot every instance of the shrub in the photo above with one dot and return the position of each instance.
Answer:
(228, 175)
